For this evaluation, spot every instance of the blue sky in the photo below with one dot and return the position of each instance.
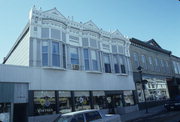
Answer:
(142, 19)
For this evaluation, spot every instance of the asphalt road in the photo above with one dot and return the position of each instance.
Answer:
(165, 116)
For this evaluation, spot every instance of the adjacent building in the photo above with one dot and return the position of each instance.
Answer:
(157, 70)
(174, 85)
(70, 66)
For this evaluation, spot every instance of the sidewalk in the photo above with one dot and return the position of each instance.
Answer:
(140, 114)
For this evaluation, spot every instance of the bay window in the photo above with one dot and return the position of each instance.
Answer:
(74, 57)
(116, 64)
(107, 65)
(122, 64)
(55, 54)
(86, 58)
(45, 50)
(94, 60)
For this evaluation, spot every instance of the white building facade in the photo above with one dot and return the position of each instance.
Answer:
(73, 66)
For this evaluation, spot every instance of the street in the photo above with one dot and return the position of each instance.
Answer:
(165, 116)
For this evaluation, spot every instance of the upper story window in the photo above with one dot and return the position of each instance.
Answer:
(93, 43)
(55, 34)
(94, 60)
(156, 61)
(136, 61)
(74, 39)
(175, 67)
(107, 64)
(121, 49)
(86, 59)
(143, 59)
(167, 64)
(114, 49)
(178, 65)
(122, 64)
(162, 63)
(150, 60)
(85, 42)
(45, 33)
(45, 50)
(55, 54)
(74, 55)
(116, 64)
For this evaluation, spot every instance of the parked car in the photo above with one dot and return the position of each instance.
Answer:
(88, 116)
(173, 104)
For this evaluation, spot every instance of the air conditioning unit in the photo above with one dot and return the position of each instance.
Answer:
(75, 67)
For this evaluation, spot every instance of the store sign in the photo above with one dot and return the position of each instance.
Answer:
(44, 104)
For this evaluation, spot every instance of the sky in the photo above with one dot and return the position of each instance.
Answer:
(141, 19)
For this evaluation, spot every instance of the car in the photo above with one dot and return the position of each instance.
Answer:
(88, 116)
(173, 104)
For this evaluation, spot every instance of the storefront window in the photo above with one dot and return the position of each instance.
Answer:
(5, 112)
(128, 98)
(99, 99)
(82, 101)
(44, 102)
(65, 105)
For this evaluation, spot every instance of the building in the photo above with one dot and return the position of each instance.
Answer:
(157, 70)
(174, 84)
(70, 66)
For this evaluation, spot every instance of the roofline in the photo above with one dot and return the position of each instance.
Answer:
(19, 39)
(137, 41)
(175, 56)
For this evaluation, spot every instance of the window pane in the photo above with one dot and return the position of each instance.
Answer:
(45, 53)
(94, 60)
(45, 33)
(74, 55)
(93, 43)
(44, 102)
(107, 65)
(93, 55)
(65, 103)
(86, 59)
(85, 42)
(55, 54)
(82, 100)
(116, 65)
(99, 99)
(55, 34)
(128, 98)
(116, 68)
(64, 56)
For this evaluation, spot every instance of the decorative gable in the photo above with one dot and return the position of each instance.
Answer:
(116, 33)
(55, 12)
(90, 23)
(153, 43)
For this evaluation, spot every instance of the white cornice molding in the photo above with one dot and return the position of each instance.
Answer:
(88, 26)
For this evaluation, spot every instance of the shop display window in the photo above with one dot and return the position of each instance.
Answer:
(65, 102)
(44, 102)
(82, 100)
(5, 110)
(99, 99)
(128, 98)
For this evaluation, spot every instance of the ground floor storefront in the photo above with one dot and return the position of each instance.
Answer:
(54, 102)
(155, 90)
(13, 102)
(174, 87)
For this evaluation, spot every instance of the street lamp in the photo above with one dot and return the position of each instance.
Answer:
(143, 82)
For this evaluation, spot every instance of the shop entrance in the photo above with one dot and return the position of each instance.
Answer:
(114, 101)
(20, 113)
